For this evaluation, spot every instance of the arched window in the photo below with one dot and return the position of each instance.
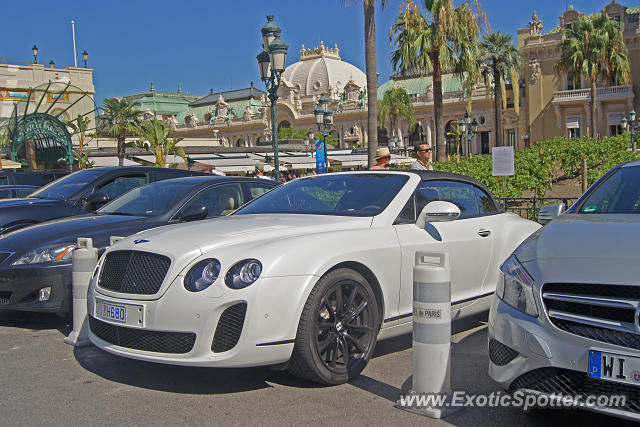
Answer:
(416, 134)
(284, 124)
(383, 137)
(240, 142)
(453, 140)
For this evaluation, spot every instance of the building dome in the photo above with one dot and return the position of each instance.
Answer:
(321, 70)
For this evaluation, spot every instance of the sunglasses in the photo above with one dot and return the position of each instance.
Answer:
(426, 150)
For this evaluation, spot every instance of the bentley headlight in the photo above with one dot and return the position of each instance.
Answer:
(243, 273)
(517, 288)
(53, 253)
(202, 275)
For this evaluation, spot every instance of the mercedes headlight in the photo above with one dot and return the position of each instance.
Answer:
(517, 287)
(202, 275)
(53, 253)
(243, 273)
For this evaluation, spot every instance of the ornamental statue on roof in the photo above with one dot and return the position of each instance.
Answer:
(221, 108)
(535, 25)
(362, 97)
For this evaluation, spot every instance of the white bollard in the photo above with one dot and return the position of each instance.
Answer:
(85, 258)
(432, 330)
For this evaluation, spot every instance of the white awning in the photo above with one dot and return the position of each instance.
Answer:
(111, 161)
(573, 122)
(152, 159)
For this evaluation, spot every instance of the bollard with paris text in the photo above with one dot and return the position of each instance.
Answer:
(432, 329)
(84, 259)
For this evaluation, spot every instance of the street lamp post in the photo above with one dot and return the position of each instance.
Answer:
(324, 121)
(85, 56)
(34, 50)
(470, 128)
(633, 126)
(271, 62)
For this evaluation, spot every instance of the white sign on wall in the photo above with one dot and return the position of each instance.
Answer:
(503, 163)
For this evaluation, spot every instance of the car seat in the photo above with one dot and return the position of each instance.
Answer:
(227, 202)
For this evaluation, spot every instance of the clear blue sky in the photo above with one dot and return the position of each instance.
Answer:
(213, 44)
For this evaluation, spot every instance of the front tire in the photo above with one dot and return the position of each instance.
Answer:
(337, 330)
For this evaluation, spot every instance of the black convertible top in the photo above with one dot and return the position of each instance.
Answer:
(439, 175)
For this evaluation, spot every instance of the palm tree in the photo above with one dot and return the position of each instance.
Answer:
(443, 39)
(594, 47)
(395, 104)
(123, 118)
(79, 126)
(154, 137)
(371, 68)
(501, 58)
(456, 132)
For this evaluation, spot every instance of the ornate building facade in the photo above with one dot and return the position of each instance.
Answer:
(548, 105)
(556, 105)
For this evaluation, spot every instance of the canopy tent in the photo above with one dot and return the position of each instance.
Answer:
(110, 161)
(231, 163)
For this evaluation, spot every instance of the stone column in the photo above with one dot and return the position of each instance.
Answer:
(427, 131)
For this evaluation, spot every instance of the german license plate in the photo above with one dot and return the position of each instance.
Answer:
(126, 314)
(614, 367)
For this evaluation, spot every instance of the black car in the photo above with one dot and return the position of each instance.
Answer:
(35, 262)
(36, 177)
(16, 191)
(79, 193)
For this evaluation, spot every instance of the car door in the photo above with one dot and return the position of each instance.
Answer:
(467, 240)
(257, 188)
(114, 186)
(220, 199)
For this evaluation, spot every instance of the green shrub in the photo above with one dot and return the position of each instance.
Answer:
(536, 167)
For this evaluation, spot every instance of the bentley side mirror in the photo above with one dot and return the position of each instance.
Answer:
(437, 211)
(94, 200)
(550, 212)
(194, 213)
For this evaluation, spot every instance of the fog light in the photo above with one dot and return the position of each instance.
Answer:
(45, 294)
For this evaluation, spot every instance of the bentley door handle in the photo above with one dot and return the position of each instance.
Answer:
(483, 233)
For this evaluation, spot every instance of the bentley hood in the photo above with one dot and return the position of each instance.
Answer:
(584, 236)
(237, 229)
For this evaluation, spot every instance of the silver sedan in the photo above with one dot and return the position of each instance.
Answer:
(565, 320)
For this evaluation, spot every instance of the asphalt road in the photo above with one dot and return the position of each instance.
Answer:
(47, 382)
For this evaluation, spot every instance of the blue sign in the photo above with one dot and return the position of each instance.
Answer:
(320, 165)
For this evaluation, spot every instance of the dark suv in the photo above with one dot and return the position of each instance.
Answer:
(79, 193)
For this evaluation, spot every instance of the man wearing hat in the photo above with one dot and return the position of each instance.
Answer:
(383, 157)
(259, 170)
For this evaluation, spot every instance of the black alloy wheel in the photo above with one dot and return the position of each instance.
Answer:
(338, 329)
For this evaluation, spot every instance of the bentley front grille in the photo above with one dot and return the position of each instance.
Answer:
(134, 272)
(141, 339)
(605, 313)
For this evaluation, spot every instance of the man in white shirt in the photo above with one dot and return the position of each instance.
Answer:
(423, 152)
(259, 171)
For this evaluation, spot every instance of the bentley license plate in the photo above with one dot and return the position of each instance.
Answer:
(127, 314)
(614, 367)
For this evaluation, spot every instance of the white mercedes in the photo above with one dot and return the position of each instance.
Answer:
(306, 277)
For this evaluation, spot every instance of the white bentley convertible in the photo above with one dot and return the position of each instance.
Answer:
(307, 276)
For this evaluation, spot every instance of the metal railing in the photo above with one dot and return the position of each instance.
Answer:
(529, 207)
